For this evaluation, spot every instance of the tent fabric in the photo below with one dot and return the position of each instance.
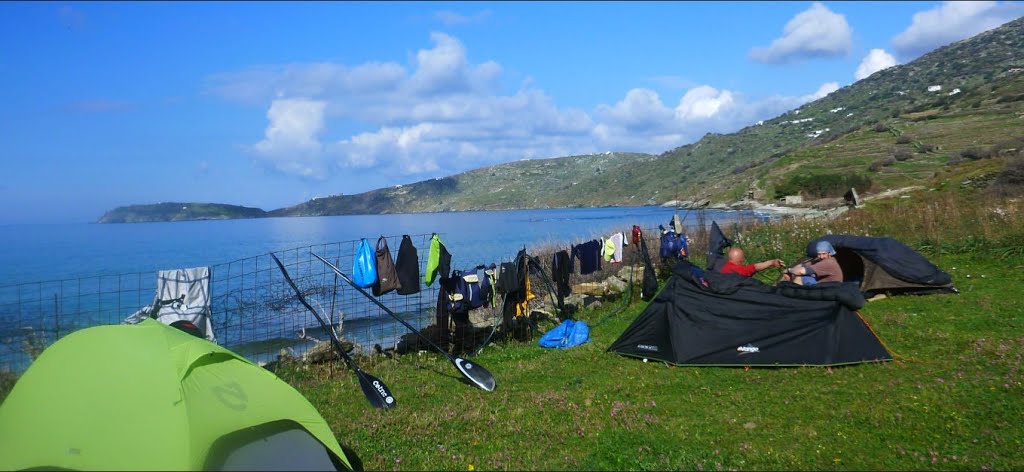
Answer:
(895, 257)
(717, 242)
(144, 397)
(708, 318)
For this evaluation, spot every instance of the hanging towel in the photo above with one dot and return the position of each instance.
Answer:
(613, 248)
(407, 265)
(439, 261)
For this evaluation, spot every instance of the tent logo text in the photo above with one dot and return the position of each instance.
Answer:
(748, 349)
(647, 347)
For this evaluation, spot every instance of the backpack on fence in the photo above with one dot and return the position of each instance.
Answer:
(470, 289)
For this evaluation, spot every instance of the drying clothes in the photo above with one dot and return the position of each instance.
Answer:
(613, 248)
(439, 261)
(407, 265)
(522, 308)
(508, 277)
(561, 267)
(589, 255)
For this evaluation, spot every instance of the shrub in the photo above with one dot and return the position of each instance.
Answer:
(878, 164)
(901, 155)
(975, 154)
(823, 185)
(1010, 182)
(904, 139)
(1010, 98)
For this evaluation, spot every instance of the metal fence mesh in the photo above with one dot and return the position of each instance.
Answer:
(254, 311)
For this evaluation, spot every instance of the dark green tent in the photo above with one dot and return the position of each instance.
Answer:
(152, 397)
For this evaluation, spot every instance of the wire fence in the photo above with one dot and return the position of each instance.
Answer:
(256, 314)
(253, 310)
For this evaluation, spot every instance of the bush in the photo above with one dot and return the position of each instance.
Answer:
(823, 185)
(1010, 98)
(1010, 182)
(904, 139)
(880, 163)
(975, 154)
(881, 128)
(901, 155)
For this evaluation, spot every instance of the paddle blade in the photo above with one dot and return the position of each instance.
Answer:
(476, 374)
(376, 392)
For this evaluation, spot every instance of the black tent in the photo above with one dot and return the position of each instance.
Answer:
(885, 265)
(717, 243)
(708, 318)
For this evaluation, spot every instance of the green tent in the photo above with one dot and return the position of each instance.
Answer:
(152, 397)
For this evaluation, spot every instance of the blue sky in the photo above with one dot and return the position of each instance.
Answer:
(269, 104)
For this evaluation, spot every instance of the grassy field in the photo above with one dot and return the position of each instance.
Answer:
(952, 399)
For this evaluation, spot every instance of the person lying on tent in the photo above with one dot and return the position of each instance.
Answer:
(737, 264)
(822, 268)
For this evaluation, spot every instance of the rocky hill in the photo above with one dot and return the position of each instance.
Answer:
(951, 110)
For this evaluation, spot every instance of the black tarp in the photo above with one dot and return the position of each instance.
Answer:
(707, 318)
(891, 255)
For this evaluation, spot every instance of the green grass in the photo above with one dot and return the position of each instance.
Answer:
(951, 400)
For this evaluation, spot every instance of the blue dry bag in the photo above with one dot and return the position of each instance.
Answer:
(568, 334)
(364, 265)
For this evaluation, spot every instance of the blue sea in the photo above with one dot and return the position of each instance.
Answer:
(86, 260)
(32, 253)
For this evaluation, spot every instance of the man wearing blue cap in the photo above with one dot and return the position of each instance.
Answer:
(822, 268)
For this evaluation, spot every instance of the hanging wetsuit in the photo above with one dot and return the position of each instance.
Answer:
(561, 267)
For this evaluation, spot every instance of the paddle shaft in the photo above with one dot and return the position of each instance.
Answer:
(383, 307)
(334, 339)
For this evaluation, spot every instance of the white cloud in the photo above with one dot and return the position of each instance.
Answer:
(874, 61)
(815, 32)
(950, 22)
(450, 18)
(641, 108)
(825, 89)
(443, 114)
(290, 144)
(700, 110)
(703, 102)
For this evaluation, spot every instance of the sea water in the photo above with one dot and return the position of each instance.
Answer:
(37, 253)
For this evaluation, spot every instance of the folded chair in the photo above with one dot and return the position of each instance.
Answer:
(182, 299)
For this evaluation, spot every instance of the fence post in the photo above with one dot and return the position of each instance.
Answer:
(56, 319)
